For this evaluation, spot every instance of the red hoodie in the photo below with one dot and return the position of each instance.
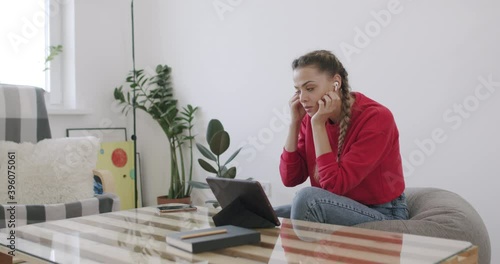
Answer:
(370, 170)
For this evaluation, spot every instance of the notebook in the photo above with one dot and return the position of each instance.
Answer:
(244, 203)
(196, 241)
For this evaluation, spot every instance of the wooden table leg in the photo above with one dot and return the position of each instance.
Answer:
(5, 258)
(470, 256)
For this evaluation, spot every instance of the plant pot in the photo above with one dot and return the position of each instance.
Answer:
(165, 200)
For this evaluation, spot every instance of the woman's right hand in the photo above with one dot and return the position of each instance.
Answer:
(297, 111)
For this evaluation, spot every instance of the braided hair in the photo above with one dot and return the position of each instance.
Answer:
(325, 61)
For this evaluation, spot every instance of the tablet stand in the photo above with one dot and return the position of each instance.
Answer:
(237, 214)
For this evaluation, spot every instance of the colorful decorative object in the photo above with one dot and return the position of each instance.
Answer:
(118, 157)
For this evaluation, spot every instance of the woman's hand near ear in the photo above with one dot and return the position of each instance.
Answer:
(329, 107)
(296, 109)
(297, 112)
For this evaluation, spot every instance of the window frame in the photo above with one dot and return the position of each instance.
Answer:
(60, 78)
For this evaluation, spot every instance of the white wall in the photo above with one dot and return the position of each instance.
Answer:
(428, 59)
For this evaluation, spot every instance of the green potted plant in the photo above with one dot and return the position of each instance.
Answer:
(154, 95)
(218, 141)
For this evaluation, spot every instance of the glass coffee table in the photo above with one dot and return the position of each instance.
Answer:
(138, 236)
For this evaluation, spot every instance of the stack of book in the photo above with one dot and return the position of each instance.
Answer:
(208, 239)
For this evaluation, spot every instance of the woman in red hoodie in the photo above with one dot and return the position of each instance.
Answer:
(345, 143)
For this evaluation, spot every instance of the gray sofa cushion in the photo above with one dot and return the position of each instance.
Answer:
(440, 213)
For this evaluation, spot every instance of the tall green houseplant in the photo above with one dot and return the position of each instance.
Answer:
(154, 95)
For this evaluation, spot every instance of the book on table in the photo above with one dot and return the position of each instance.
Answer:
(208, 239)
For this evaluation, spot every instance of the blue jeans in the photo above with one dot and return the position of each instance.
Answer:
(318, 205)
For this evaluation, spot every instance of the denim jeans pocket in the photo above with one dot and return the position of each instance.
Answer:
(395, 209)
(400, 208)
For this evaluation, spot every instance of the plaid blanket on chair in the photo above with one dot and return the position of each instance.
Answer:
(23, 112)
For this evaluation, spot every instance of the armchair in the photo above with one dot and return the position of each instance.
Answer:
(24, 118)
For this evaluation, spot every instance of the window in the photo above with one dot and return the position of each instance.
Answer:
(28, 28)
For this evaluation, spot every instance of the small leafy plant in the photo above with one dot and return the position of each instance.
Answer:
(53, 52)
(218, 141)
